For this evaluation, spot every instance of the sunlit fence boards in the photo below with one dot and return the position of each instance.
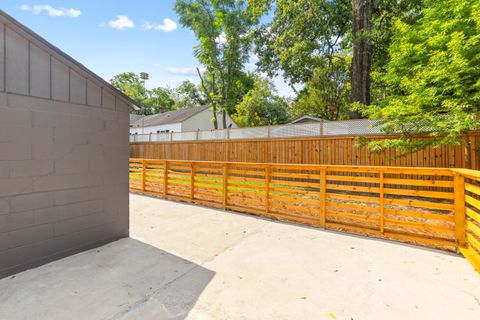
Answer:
(324, 150)
(433, 207)
(471, 195)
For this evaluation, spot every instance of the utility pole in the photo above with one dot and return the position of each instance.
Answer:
(144, 76)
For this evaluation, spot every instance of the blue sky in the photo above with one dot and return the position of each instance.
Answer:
(114, 36)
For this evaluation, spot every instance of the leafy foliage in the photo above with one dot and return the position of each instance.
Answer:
(130, 84)
(387, 11)
(222, 27)
(187, 95)
(303, 36)
(433, 76)
(260, 106)
(326, 94)
(157, 99)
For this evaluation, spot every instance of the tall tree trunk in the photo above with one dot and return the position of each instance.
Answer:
(224, 118)
(214, 104)
(362, 53)
(212, 100)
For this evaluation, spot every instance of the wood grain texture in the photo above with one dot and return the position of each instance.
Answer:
(331, 150)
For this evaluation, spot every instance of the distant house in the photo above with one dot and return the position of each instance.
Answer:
(134, 117)
(306, 119)
(189, 119)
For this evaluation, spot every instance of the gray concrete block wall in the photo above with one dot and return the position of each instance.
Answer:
(63, 157)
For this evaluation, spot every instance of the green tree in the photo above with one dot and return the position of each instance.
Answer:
(305, 36)
(160, 99)
(188, 95)
(261, 106)
(131, 85)
(326, 94)
(222, 27)
(432, 77)
(151, 101)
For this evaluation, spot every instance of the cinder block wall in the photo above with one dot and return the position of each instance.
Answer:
(63, 155)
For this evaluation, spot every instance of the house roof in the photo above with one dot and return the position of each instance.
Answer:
(34, 37)
(307, 118)
(169, 117)
(134, 117)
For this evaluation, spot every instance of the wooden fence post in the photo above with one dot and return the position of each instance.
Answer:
(459, 207)
(165, 178)
(473, 153)
(321, 127)
(382, 202)
(192, 181)
(323, 194)
(144, 173)
(225, 184)
(267, 188)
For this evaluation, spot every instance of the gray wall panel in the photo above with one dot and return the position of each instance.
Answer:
(94, 94)
(108, 100)
(78, 88)
(60, 81)
(39, 72)
(63, 166)
(17, 63)
(2, 57)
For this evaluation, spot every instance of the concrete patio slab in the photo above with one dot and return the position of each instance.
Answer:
(191, 262)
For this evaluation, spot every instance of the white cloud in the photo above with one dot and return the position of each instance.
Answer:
(122, 22)
(254, 58)
(51, 11)
(183, 70)
(221, 39)
(168, 25)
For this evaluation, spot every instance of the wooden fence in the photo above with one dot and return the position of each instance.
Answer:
(469, 191)
(427, 206)
(340, 150)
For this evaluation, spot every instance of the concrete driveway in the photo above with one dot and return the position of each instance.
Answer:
(191, 262)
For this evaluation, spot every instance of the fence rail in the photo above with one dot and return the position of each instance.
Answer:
(469, 194)
(432, 207)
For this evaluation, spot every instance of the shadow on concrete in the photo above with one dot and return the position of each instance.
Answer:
(126, 279)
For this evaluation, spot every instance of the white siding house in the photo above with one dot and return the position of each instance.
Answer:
(183, 120)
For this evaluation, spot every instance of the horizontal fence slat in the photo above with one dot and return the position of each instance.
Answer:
(473, 241)
(407, 204)
(471, 227)
(472, 256)
(472, 188)
(473, 215)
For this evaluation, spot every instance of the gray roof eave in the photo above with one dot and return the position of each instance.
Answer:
(133, 104)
